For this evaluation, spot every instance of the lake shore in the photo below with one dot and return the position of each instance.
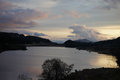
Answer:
(95, 74)
(104, 50)
(6, 47)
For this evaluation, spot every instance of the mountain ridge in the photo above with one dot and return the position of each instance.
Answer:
(15, 41)
(83, 40)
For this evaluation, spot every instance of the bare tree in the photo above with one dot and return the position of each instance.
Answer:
(55, 69)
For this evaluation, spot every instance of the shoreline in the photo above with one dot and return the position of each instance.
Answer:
(91, 74)
(8, 47)
(95, 74)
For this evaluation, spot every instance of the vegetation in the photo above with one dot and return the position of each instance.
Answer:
(95, 74)
(55, 69)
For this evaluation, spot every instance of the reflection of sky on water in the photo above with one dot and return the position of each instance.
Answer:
(107, 61)
(13, 63)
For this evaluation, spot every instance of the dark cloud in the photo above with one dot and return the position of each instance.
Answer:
(4, 5)
(71, 36)
(83, 32)
(17, 17)
(27, 32)
(39, 34)
(111, 4)
(112, 1)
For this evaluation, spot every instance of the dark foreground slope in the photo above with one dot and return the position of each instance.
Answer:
(96, 74)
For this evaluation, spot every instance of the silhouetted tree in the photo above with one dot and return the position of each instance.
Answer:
(55, 69)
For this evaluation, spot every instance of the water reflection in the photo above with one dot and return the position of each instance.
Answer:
(24, 77)
(13, 63)
(106, 61)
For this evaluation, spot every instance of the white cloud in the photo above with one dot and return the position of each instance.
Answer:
(83, 32)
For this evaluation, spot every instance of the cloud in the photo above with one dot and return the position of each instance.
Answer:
(4, 5)
(111, 4)
(84, 4)
(75, 14)
(39, 34)
(41, 4)
(17, 17)
(70, 36)
(83, 32)
(27, 32)
(112, 1)
(48, 3)
(57, 16)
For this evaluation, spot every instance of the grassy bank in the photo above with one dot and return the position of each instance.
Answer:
(96, 74)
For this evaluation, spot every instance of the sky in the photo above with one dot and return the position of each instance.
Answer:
(60, 20)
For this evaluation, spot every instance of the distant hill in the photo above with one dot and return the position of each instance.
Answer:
(83, 40)
(12, 41)
(70, 43)
(111, 47)
(11, 38)
(38, 41)
(15, 41)
(109, 43)
(107, 46)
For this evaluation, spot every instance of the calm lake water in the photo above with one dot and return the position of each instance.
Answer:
(13, 63)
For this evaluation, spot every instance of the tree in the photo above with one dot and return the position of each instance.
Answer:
(55, 69)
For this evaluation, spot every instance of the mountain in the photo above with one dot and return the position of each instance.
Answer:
(83, 40)
(70, 43)
(11, 38)
(12, 41)
(110, 47)
(38, 41)
(15, 41)
(107, 46)
(109, 43)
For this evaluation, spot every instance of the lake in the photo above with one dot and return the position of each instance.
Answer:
(28, 62)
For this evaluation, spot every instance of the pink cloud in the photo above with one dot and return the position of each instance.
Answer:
(57, 16)
(4, 5)
(76, 14)
(84, 32)
(11, 17)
